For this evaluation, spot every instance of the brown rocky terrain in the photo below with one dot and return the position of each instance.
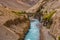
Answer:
(18, 4)
(12, 26)
(30, 2)
(14, 4)
(54, 30)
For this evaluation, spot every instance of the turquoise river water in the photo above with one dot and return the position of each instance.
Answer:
(34, 31)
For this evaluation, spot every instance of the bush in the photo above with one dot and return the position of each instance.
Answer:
(59, 38)
(47, 21)
(48, 16)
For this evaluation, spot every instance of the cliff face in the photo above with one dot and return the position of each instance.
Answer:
(48, 7)
(14, 4)
(55, 28)
(18, 4)
(12, 26)
(30, 2)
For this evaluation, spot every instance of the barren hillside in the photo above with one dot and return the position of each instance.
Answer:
(18, 4)
(13, 4)
(12, 26)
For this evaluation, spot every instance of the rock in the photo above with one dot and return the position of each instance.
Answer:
(14, 5)
(12, 26)
(55, 27)
(7, 34)
(36, 7)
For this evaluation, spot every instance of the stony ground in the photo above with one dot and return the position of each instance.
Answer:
(6, 15)
(12, 26)
(50, 6)
(14, 4)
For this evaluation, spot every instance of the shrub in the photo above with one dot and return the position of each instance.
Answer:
(47, 21)
(48, 16)
(59, 38)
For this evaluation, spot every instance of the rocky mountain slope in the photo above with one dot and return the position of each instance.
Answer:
(48, 7)
(18, 4)
(12, 26)
(30, 2)
(17, 26)
(14, 4)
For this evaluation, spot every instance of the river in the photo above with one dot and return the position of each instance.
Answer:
(34, 31)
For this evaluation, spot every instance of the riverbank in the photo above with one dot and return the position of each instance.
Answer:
(47, 36)
(41, 34)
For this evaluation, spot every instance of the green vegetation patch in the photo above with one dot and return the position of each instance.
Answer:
(48, 15)
(19, 13)
(59, 38)
(47, 19)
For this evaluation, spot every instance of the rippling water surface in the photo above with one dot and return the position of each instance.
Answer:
(33, 33)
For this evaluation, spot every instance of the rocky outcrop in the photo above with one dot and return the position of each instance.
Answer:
(30, 2)
(49, 6)
(55, 28)
(14, 5)
(36, 7)
(12, 26)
